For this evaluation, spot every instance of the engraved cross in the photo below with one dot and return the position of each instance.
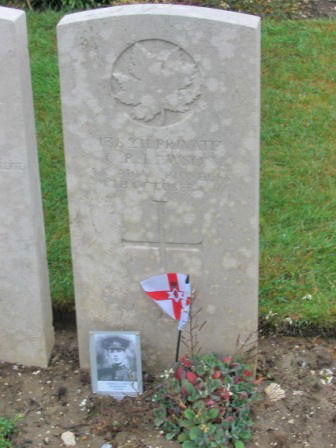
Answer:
(162, 244)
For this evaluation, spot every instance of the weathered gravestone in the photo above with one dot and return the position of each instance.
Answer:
(161, 127)
(26, 332)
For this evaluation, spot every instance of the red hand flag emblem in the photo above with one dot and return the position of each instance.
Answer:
(172, 293)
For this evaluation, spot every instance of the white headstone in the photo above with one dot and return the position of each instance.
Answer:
(26, 331)
(161, 128)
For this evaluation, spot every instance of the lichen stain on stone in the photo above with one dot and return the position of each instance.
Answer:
(222, 42)
(254, 222)
(118, 122)
(245, 252)
(229, 262)
(219, 105)
(249, 142)
(251, 271)
(197, 194)
(133, 214)
(241, 169)
(210, 309)
(212, 84)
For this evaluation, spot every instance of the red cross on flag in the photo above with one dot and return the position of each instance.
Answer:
(172, 293)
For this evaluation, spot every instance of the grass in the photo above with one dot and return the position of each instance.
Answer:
(43, 50)
(298, 182)
(7, 428)
(298, 170)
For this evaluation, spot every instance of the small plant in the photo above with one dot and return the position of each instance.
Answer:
(190, 339)
(205, 402)
(7, 427)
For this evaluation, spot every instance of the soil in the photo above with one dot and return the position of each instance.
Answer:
(59, 399)
(317, 9)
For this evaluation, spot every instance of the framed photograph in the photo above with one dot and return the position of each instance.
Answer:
(116, 363)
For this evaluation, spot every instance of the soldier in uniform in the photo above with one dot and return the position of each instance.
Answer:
(115, 348)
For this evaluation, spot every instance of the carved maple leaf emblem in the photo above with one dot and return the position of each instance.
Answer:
(153, 83)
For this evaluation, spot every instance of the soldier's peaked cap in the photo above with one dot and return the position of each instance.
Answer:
(115, 342)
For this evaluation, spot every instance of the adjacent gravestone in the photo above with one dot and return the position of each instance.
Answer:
(161, 128)
(26, 332)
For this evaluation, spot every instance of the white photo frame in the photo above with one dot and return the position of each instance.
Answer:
(116, 368)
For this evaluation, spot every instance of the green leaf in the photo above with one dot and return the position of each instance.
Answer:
(158, 421)
(182, 437)
(213, 413)
(245, 434)
(190, 388)
(212, 428)
(188, 444)
(198, 405)
(170, 435)
(184, 423)
(189, 414)
(219, 435)
(239, 444)
(194, 432)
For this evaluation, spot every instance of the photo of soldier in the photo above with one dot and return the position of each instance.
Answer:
(117, 361)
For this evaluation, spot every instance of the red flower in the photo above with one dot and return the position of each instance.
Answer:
(227, 359)
(226, 395)
(217, 374)
(191, 377)
(247, 373)
(185, 361)
(210, 402)
(223, 393)
(179, 373)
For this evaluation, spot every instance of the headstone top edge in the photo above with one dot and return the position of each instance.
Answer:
(217, 15)
(10, 14)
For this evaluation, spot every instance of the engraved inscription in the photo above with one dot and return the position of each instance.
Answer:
(162, 242)
(132, 143)
(11, 166)
(188, 165)
(157, 82)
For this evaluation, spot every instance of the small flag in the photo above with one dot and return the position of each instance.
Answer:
(172, 293)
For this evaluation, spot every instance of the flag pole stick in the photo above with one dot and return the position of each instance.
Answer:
(180, 333)
(178, 345)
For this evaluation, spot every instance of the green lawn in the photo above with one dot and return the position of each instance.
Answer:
(298, 169)
(43, 50)
(298, 182)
